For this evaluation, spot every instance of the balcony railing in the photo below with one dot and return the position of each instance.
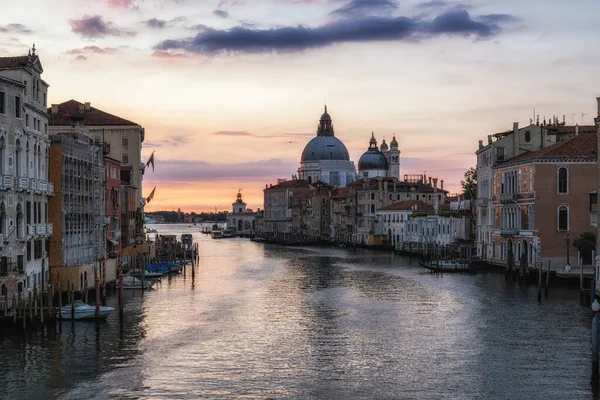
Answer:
(594, 218)
(508, 231)
(482, 201)
(33, 184)
(30, 230)
(22, 183)
(40, 229)
(49, 228)
(50, 190)
(508, 196)
(7, 181)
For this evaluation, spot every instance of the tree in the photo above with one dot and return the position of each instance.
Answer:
(469, 184)
(585, 242)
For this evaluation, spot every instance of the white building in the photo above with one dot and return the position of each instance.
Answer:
(24, 187)
(393, 219)
(241, 221)
(325, 158)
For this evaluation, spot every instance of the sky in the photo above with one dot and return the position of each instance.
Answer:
(230, 91)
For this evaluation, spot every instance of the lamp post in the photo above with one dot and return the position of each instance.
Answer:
(595, 369)
(568, 241)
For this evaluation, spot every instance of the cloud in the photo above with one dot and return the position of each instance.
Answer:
(187, 171)
(221, 13)
(15, 28)
(365, 29)
(95, 26)
(120, 3)
(433, 4)
(169, 55)
(232, 133)
(172, 141)
(365, 7)
(155, 23)
(87, 50)
(249, 134)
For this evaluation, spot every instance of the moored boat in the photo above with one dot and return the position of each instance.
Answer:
(217, 234)
(457, 265)
(81, 310)
(131, 282)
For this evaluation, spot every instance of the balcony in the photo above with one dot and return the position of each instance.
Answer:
(7, 181)
(30, 230)
(50, 190)
(482, 202)
(509, 231)
(594, 218)
(49, 229)
(22, 183)
(508, 197)
(40, 229)
(33, 185)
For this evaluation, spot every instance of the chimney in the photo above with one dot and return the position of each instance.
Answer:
(87, 106)
(489, 139)
(81, 108)
(442, 184)
(598, 100)
(54, 108)
(576, 129)
(429, 181)
(480, 144)
(515, 139)
(435, 183)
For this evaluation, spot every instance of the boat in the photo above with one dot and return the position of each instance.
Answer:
(131, 282)
(84, 311)
(457, 265)
(151, 230)
(227, 233)
(187, 238)
(217, 234)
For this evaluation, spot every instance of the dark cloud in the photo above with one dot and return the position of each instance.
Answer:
(365, 29)
(189, 171)
(221, 13)
(155, 23)
(95, 26)
(433, 4)
(15, 28)
(499, 18)
(365, 7)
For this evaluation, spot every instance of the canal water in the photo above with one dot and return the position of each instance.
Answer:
(270, 322)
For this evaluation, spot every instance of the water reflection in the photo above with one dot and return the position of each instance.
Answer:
(261, 321)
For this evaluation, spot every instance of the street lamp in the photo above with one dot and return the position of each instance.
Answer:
(568, 241)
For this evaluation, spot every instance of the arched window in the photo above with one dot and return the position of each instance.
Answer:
(563, 218)
(3, 228)
(20, 223)
(18, 165)
(27, 159)
(527, 136)
(2, 156)
(563, 180)
(372, 208)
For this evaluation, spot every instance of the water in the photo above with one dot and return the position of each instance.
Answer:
(268, 322)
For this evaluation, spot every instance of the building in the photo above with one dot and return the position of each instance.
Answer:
(77, 211)
(383, 162)
(278, 222)
(540, 203)
(124, 137)
(24, 186)
(241, 221)
(112, 222)
(325, 158)
(394, 219)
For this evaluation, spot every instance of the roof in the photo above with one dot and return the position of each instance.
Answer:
(571, 129)
(580, 147)
(340, 193)
(294, 183)
(401, 186)
(13, 62)
(416, 205)
(68, 112)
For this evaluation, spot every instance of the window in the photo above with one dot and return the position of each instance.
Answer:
(2, 103)
(26, 119)
(500, 154)
(25, 87)
(125, 141)
(126, 159)
(18, 107)
(527, 136)
(563, 180)
(563, 218)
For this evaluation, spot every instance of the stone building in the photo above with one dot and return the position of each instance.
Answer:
(540, 203)
(241, 221)
(24, 186)
(278, 222)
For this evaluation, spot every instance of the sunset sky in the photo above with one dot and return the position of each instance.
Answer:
(230, 91)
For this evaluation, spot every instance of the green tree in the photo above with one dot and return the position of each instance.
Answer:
(469, 184)
(585, 242)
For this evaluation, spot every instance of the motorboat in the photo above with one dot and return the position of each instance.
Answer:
(227, 233)
(217, 234)
(151, 230)
(84, 311)
(458, 265)
(131, 282)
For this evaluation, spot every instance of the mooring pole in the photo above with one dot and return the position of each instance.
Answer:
(595, 370)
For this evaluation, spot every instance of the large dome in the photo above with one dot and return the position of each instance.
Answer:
(372, 159)
(325, 148)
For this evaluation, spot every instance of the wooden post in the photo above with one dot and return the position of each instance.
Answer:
(72, 302)
(539, 297)
(14, 307)
(595, 370)
(547, 278)
(30, 304)
(97, 292)
(35, 301)
(23, 313)
(60, 295)
(581, 296)
(41, 307)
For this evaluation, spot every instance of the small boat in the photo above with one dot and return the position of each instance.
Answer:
(131, 282)
(458, 265)
(217, 234)
(84, 311)
(151, 230)
(227, 233)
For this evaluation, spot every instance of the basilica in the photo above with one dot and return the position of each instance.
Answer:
(325, 158)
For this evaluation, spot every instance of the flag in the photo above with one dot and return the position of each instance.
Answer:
(151, 161)
(151, 195)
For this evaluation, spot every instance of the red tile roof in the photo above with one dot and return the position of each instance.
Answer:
(294, 183)
(571, 129)
(408, 205)
(339, 193)
(68, 112)
(580, 147)
(13, 62)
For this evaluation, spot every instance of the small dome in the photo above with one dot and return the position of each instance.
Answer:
(394, 143)
(373, 159)
(325, 116)
(325, 148)
(384, 146)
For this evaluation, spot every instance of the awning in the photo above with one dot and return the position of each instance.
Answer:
(114, 241)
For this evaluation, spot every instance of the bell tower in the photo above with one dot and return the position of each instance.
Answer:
(393, 157)
(239, 206)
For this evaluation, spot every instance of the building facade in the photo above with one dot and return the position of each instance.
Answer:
(24, 186)
(278, 206)
(241, 221)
